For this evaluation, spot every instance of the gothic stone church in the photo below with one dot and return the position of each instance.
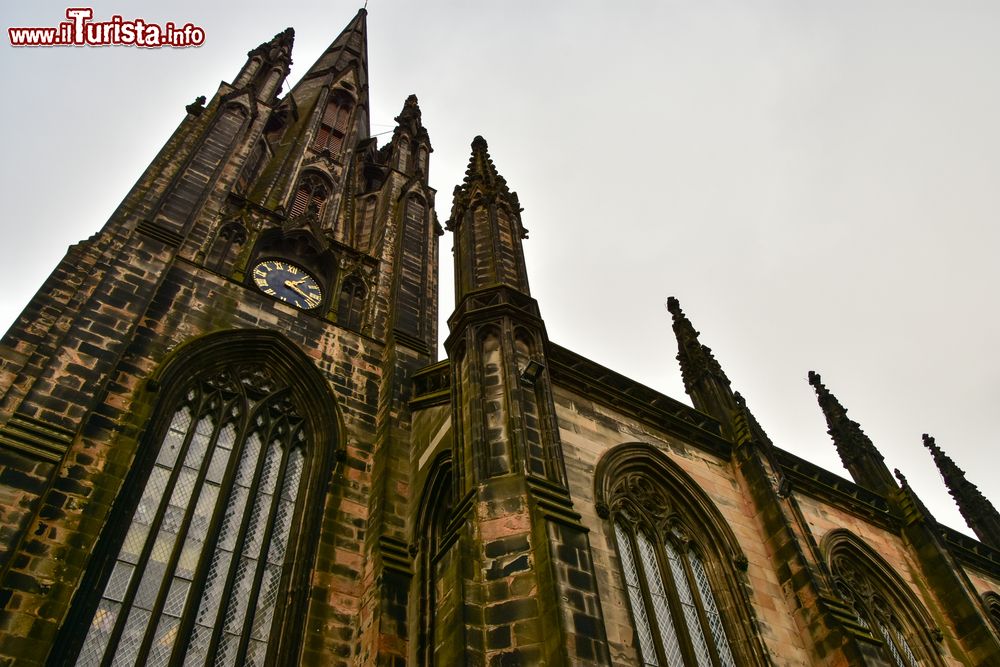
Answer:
(226, 438)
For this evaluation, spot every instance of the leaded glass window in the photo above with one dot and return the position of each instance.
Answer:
(199, 572)
(669, 591)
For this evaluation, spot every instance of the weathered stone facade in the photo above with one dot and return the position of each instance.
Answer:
(225, 436)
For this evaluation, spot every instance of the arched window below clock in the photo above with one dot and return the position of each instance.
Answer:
(228, 241)
(351, 307)
(311, 196)
(681, 568)
(209, 542)
(881, 600)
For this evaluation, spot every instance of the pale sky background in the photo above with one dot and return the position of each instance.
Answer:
(817, 182)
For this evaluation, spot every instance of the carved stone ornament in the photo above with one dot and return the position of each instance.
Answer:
(196, 107)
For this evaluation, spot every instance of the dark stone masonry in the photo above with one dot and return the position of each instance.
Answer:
(226, 438)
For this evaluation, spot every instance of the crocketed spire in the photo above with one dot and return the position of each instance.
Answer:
(978, 511)
(697, 361)
(860, 456)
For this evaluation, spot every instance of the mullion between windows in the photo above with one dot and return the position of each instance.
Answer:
(128, 599)
(193, 602)
(699, 605)
(676, 606)
(647, 597)
(286, 588)
(262, 558)
(239, 544)
(182, 531)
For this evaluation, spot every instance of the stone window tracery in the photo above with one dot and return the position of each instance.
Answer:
(683, 573)
(880, 602)
(208, 542)
(676, 615)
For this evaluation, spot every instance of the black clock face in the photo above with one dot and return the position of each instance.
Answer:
(287, 282)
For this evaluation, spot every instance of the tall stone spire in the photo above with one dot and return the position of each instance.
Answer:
(350, 45)
(345, 60)
(979, 513)
(859, 455)
(704, 380)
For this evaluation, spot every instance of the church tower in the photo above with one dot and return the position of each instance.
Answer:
(205, 407)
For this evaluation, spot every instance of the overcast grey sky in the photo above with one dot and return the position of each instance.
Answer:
(815, 181)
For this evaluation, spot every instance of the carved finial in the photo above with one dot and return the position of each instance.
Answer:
(277, 46)
(900, 477)
(482, 177)
(409, 118)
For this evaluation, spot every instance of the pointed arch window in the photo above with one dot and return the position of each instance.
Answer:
(310, 196)
(880, 601)
(676, 615)
(198, 566)
(435, 512)
(992, 603)
(688, 603)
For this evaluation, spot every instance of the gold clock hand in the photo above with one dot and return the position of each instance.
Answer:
(295, 287)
